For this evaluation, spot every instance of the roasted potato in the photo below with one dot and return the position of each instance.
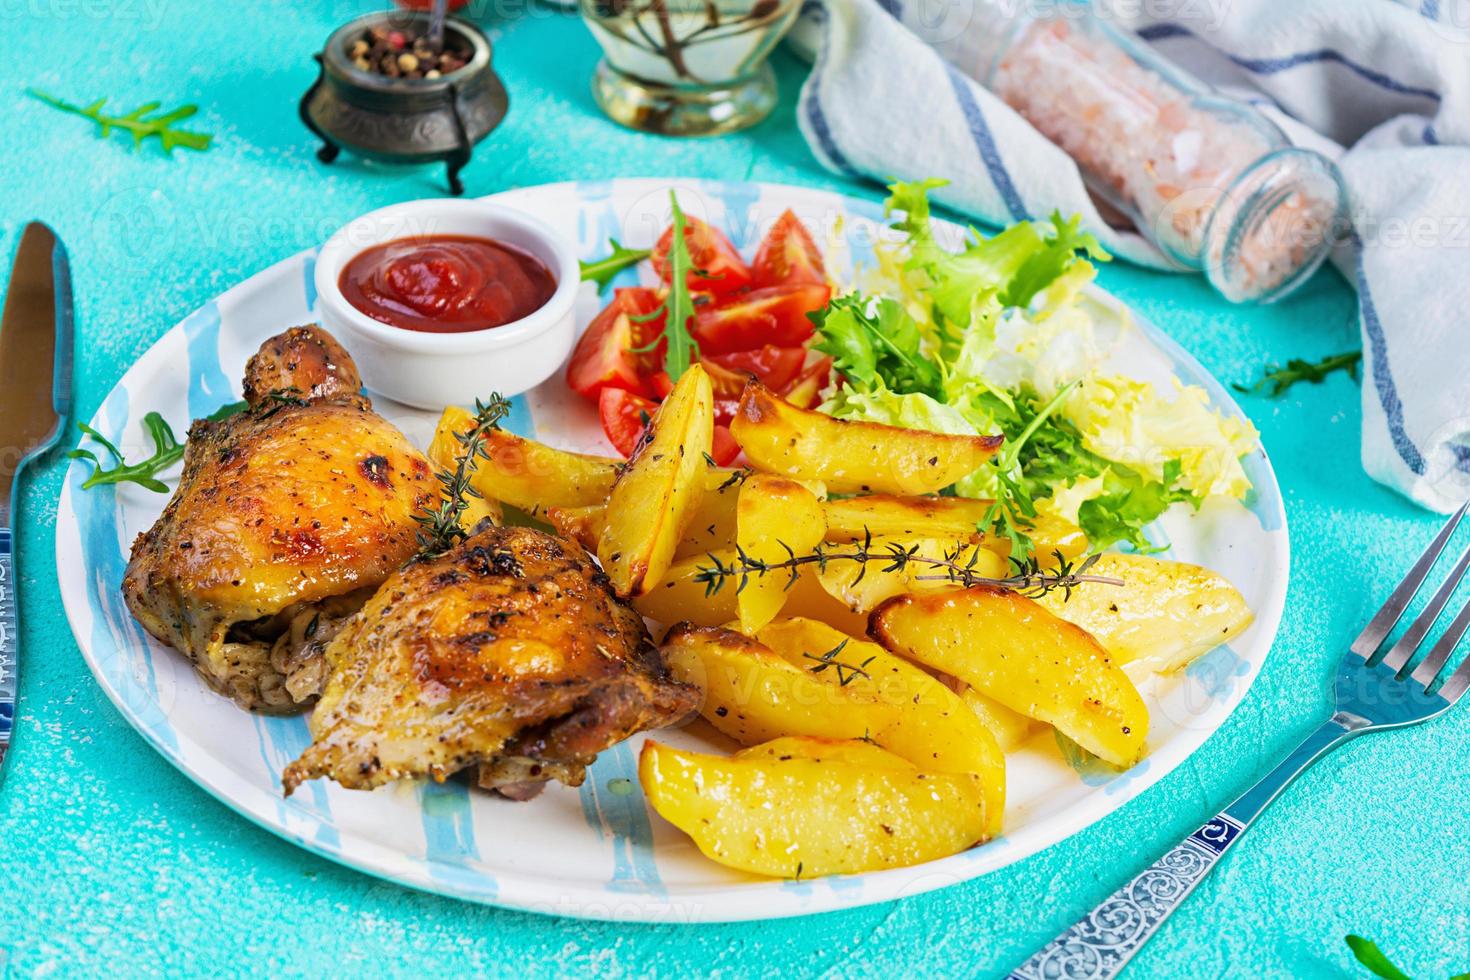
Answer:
(882, 515)
(929, 725)
(786, 812)
(1166, 615)
(862, 587)
(851, 457)
(656, 494)
(775, 518)
(526, 474)
(752, 694)
(580, 524)
(681, 596)
(1010, 728)
(444, 452)
(1014, 650)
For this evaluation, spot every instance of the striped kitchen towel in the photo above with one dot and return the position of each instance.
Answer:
(1379, 85)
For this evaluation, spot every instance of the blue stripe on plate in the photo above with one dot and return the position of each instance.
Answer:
(985, 144)
(449, 835)
(622, 816)
(308, 280)
(1272, 66)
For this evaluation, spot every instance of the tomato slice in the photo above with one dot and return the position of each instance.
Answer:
(724, 449)
(775, 367)
(787, 256)
(624, 417)
(775, 316)
(806, 390)
(724, 271)
(603, 357)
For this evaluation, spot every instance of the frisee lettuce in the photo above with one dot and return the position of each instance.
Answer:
(998, 338)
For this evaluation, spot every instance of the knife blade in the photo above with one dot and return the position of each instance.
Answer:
(35, 400)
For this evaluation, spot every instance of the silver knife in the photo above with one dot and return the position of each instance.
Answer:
(35, 400)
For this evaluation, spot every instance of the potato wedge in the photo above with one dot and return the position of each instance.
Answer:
(775, 518)
(929, 724)
(753, 695)
(580, 524)
(863, 588)
(852, 752)
(790, 816)
(851, 457)
(653, 499)
(1010, 728)
(1017, 652)
(681, 596)
(1168, 614)
(529, 475)
(882, 515)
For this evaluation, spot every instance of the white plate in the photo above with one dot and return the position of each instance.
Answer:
(597, 851)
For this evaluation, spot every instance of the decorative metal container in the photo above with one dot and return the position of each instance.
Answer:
(687, 67)
(404, 120)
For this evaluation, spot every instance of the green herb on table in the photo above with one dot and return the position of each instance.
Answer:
(167, 450)
(440, 527)
(602, 271)
(1276, 381)
(678, 306)
(142, 123)
(1367, 953)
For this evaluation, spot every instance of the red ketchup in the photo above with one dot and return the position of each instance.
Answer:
(446, 283)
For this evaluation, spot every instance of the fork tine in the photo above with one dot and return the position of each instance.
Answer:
(1456, 685)
(1387, 618)
(1404, 649)
(1434, 663)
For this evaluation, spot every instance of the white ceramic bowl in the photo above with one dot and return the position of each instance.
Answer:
(431, 370)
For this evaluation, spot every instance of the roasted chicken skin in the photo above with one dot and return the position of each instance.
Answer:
(509, 653)
(287, 517)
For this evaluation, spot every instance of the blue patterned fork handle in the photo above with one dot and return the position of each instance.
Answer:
(9, 643)
(1102, 942)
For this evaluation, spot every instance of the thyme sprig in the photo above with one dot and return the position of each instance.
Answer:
(440, 527)
(956, 566)
(846, 673)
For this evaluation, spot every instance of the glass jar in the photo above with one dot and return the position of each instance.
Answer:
(687, 67)
(1210, 181)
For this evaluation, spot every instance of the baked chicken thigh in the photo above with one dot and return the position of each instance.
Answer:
(510, 653)
(288, 516)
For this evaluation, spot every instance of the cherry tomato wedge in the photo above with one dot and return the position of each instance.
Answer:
(603, 358)
(624, 417)
(787, 256)
(724, 449)
(806, 390)
(775, 367)
(775, 316)
(724, 271)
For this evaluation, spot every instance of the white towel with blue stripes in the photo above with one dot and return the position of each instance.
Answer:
(1381, 86)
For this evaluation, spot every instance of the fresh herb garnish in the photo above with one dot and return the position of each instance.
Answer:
(167, 450)
(602, 271)
(440, 527)
(1367, 953)
(846, 673)
(875, 342)
(141, 123)
(956, 566)
(677, 307)
(1276, 381)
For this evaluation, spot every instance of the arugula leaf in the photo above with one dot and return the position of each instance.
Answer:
(167, 450)
(1366, 952)
(1276, 381)
(875, 343)
(677, 305)
(136, 123)
(602, 271)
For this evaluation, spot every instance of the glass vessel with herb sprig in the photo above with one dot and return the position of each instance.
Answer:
(687, 67)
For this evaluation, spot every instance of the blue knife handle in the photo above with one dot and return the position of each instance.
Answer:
(9, 642)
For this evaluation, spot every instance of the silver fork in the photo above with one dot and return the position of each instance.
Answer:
(1370, 693)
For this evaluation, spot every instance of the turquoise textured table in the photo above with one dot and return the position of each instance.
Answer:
(111, 861)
